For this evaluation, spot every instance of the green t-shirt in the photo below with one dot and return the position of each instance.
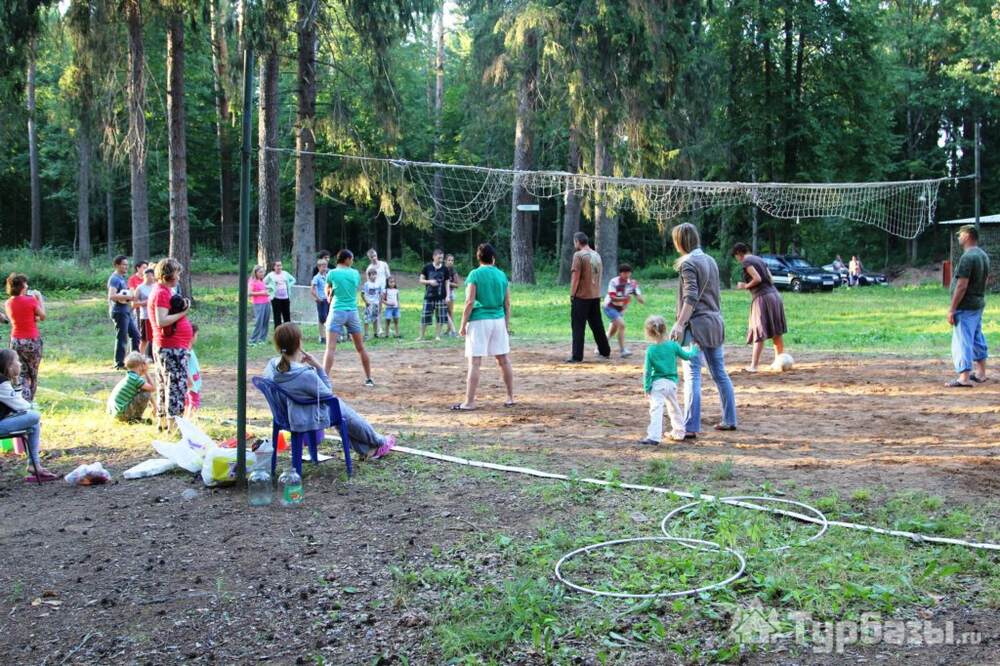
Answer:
(974, 265)
(661, 362)
(345, 283)
(124, 393)
(491, 292)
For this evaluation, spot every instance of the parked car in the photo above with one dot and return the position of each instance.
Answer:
(797, 274)
(866, 279)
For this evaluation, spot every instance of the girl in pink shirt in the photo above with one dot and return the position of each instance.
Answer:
(261, 305)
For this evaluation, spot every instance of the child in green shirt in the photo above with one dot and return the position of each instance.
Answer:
(129, 398)
(659, 381)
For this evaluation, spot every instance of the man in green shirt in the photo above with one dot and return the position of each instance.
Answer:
(342, 291)
(486, 324)
(968, 298)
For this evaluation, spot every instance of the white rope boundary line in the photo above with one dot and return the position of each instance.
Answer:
(913, 536)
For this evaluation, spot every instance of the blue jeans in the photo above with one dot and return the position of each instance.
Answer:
(124, 329)
(968, 344)
(692, 388)
(31, 423)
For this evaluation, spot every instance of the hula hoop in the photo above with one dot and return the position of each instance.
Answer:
(741, 500)
(706, 545)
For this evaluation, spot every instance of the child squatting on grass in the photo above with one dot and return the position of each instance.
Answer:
(130, 397)
(660, 381)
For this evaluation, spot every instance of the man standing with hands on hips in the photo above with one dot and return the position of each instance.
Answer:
(585, 298)
(968, 299)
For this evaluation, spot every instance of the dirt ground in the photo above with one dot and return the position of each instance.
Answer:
(137, 572)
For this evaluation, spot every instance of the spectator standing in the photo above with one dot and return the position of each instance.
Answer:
(172, 335)
(279, 288)
(120, 300)
(453, 277)
(261, 301)
(969, 350)
(382, 274)
(434, 277)
(318, 291)
(585, 299)
(142, 293)
(25, 308)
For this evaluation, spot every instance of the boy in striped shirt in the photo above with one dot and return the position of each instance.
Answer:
(129, 398)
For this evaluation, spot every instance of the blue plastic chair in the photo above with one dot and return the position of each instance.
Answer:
(277, 400)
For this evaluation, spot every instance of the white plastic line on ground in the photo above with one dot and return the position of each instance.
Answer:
(913, 536)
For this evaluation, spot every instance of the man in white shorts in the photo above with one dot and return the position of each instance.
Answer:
(486, 325)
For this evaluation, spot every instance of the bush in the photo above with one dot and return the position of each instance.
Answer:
(49, 270)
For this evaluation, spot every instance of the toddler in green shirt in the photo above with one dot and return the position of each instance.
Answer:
(659, 381)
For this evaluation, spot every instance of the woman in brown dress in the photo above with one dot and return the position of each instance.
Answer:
(767, 311)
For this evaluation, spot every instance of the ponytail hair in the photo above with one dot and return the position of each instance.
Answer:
(7, 358)
(288, 341)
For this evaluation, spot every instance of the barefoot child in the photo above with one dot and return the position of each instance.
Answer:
(621, 289)
(660, 381)
(390, 305)
(192, 400)
(372, 292)
(130, 396)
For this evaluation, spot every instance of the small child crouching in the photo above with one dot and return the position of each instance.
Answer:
(660, 381)
(130, 396)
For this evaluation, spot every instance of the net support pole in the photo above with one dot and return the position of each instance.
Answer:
(241, 342)
(979, 174)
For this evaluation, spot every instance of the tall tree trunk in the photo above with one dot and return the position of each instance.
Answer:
(109, 210)
(268, 205)
(139, 195)
(36, 190)
(85, 150)
(304, 231)
(438, 109)
(180, 237)
(224, 137)
(522, 260)
(605, 223)
(571, 215)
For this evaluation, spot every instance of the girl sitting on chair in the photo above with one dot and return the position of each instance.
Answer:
(299, 375)
(16, 415)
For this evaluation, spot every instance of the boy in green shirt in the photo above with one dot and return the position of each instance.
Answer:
(660, 381)
(129, 398)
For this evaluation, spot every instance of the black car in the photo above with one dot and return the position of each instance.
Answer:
(797, 274)
(866, 279)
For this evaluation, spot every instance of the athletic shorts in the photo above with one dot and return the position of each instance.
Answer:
(344, 321)
(613, 313)
(434, 309)
(391, 312)
(486, 337)
(322, 311)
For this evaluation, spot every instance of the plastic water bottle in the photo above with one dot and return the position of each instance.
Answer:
(290, 486)
(259, 487)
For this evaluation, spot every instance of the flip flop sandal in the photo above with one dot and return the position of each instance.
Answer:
(978, 380)
(460, 408)
(957, 384)
(725, 428)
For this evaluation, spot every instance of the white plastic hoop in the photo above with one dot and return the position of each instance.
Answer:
(706, 545)
(740, 500)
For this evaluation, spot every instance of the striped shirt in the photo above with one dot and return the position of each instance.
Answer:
(124, 392)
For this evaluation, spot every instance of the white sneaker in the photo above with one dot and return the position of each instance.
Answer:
(626, 353)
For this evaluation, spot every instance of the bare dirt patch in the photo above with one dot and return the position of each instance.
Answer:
(136, 573)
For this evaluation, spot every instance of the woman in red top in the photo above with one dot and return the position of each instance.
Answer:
(171, 341)
(25, 309)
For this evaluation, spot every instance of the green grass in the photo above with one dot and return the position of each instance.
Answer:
(493, 595)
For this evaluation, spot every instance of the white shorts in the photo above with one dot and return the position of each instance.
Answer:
(486, 337)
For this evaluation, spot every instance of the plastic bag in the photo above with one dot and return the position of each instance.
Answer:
(193, 436)
(150, 468)
(88, 475)
(219, 467)
(180, 454)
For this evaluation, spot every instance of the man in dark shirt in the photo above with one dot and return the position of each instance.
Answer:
(968, 299)
(434, 277)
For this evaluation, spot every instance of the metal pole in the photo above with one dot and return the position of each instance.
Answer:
(979, 175)
(241, 342)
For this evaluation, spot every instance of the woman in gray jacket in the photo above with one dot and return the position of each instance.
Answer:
(303, 379)
(699, 318)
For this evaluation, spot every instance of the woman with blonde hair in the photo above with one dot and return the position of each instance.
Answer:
(172, 334)
(699, 319)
